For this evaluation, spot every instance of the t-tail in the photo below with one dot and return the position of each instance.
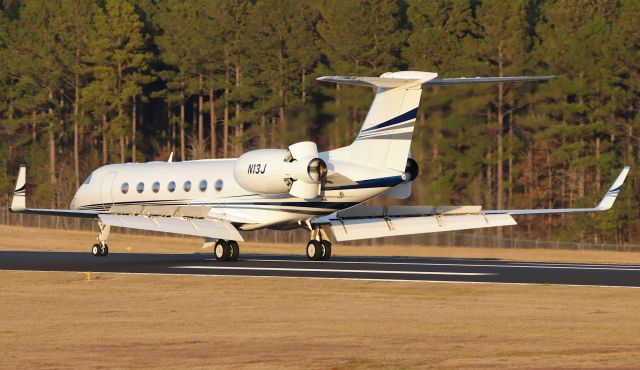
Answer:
(385, 137)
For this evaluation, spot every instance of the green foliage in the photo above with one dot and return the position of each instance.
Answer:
(103, 71)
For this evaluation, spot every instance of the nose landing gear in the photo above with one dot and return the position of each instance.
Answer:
(101, 249)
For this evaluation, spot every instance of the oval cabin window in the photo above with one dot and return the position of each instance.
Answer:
(219, 184)
(187, 185)
(140, 187)
(203, 185)
(171, 186)
(155, 187)
(124, 188)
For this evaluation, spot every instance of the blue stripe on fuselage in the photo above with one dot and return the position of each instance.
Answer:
(383, 182)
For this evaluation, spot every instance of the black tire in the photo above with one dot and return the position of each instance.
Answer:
(326, 250)
(105, 250)
(314, 250)
(221, 250)
(96, 250)
(234, 250)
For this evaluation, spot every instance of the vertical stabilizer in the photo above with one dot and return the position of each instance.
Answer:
(385, 137)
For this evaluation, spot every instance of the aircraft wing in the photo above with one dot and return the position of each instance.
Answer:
(366, 222)
(605, 203)
(209, 228)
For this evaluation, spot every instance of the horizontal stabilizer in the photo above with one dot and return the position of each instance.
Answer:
(483, 80)
(428, 79)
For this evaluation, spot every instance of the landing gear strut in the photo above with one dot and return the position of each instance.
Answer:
(318, 249)
(101, 249)
(226, 250)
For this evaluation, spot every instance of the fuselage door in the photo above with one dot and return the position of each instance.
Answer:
(105, 189)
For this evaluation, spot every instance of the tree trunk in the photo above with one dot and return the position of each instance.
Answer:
(239, 130)
(598, 174)
(182, 149)
(201, 116)
(173, 128)
(104, 139)
(134, 122)
(122, 149)
(303, 87)
(52, 152)
(500, 107)
(76, 119)
(212, 124)
(225, 122)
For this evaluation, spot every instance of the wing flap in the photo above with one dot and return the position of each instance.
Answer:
(367, 228)
(214, 229)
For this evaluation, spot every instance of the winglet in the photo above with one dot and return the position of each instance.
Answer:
(610, 197)
(18, 203)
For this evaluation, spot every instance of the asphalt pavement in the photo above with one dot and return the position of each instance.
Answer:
(419, 269)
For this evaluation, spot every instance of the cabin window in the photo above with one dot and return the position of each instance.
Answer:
(124, 188)
(140, 187)
(171, 186)
(203, 185)
(87, 180)
(155, 187)
(219, 184)
(187, 185)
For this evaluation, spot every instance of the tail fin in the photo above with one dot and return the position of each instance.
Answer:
(385, 136)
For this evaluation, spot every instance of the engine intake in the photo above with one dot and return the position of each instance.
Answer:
(297, 171)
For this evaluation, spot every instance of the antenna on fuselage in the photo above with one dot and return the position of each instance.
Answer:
(170, 158)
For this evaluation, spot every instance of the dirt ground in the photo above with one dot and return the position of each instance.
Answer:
(63, 320)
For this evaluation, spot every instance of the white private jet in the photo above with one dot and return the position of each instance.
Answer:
(297, 187)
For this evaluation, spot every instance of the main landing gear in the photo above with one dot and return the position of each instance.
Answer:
(318, 248)
(226, 250)
(101, 249)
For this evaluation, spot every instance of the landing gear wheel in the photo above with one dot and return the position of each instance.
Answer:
(326, 250)
(105, 250)
(234, 250)
(221, 250)
(314, 250)
(96, 250)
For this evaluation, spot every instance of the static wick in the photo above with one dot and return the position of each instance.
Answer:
(88, 275)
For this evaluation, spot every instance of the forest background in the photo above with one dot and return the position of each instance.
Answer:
(84, 83)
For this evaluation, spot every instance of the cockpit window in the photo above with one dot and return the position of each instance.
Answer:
(87, 180)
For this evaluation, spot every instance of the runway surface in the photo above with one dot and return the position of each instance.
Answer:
(360, 268)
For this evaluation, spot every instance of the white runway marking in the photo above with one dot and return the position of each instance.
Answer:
(333, 270)
(530, 265)
(333, 278)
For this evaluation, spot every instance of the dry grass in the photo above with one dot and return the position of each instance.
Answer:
(52, 320)
(61, 320)
(34, 239)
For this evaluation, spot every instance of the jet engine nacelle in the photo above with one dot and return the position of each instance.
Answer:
(297, 171)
